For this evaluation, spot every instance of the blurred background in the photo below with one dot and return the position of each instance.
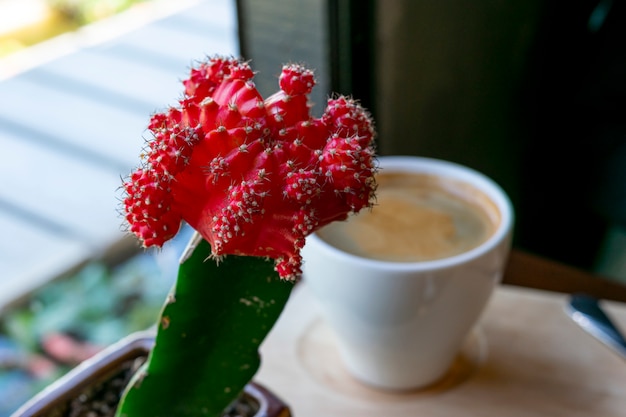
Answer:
(530, 92)
(71, 282)
(24, 23)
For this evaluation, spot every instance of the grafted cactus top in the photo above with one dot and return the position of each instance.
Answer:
(252, 176)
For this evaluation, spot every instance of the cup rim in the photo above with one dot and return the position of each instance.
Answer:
(454, 171)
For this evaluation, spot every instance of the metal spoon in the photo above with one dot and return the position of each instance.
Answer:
(588, 314)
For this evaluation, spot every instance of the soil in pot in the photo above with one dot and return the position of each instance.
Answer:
(94, 388)
(101, 399)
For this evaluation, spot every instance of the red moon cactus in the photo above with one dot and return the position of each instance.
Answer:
(252, 176)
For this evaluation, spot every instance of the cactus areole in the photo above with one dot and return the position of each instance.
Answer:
(252, 176)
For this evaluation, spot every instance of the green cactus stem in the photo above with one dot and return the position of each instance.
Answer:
(207, 342)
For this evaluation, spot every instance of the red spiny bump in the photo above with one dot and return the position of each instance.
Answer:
(290, 105)
(190, 112)
(158, 121)
(241, 71)
(252, 176)
(239, 103)
(204, 78)
(171, 151)
(313, 133)
(289, 267)
(348, 118)
(286, 111)
(305, 222)
(296, 80)
(350, 168)
(303, 186)
(208, 110)
(147, 208)
(218, 168)
(249, 102)
(299, 155)
(245, 203)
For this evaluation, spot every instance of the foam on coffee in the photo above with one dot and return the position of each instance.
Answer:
(417, 217)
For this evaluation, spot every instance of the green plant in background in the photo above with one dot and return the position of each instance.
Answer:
(253, 178)
(50, 18)
(98, 304)
(92, 308)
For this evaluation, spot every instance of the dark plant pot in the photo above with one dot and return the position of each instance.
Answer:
(118, 361)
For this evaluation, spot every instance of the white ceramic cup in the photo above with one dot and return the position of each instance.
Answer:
(400, 325)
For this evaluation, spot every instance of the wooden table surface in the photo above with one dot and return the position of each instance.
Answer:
(524, 358)
(528, 270)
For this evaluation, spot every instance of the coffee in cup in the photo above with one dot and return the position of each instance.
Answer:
(417, 217)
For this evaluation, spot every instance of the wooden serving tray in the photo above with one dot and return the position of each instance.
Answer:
(525, 358)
